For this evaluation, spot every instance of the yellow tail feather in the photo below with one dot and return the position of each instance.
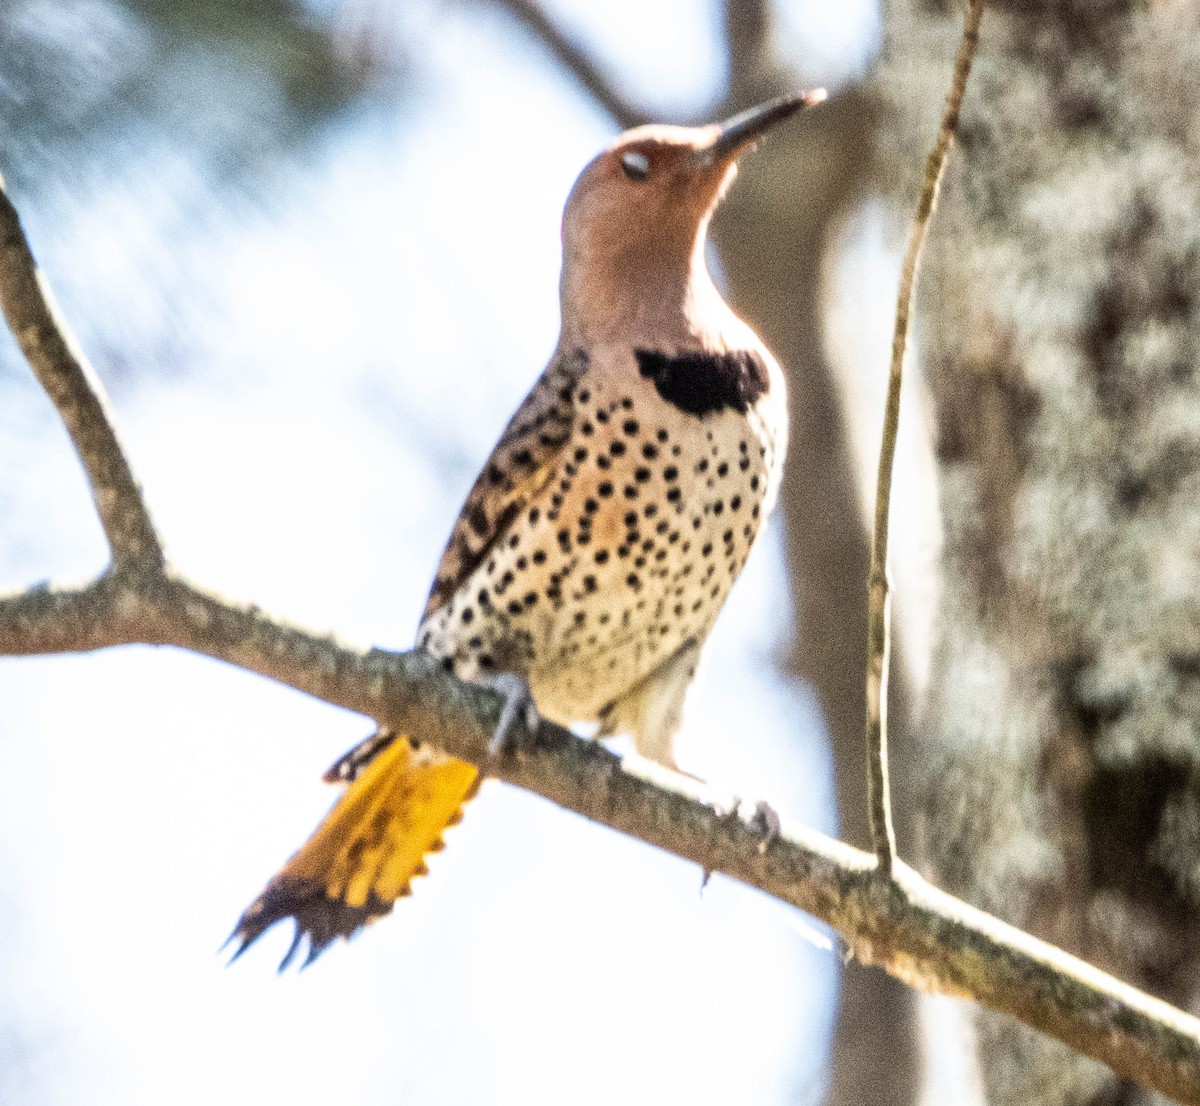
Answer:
(365, 853)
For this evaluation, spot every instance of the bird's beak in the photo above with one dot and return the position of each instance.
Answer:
(733, 136)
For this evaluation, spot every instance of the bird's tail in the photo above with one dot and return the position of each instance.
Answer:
(400, 796)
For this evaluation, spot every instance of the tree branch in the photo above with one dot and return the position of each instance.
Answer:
(906, 926)
(878, 591)
(576, 61)
(917, 933)
(69, 380)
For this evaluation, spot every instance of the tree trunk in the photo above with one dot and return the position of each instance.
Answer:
(1060, 326)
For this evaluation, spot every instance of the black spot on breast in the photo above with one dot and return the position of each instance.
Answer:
(704, 383)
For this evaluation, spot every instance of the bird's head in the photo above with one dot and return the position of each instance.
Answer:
(635, 223)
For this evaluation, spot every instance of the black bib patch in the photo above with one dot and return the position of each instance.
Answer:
(703, 383)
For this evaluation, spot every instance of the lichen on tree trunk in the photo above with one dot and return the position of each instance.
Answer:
(1060, 330)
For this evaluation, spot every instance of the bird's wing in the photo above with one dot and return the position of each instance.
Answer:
(520, 466)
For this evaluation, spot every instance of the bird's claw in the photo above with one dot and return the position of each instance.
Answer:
(764, 821)
(518, 703)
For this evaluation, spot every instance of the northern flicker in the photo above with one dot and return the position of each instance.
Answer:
(603, 534)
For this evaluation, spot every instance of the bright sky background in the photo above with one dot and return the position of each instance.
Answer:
(307, 387)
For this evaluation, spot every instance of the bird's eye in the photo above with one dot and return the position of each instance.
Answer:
(635, 164)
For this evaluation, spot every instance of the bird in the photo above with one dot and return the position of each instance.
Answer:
(595, 550)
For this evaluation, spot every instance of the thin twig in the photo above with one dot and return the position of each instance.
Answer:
(71, 383)
(878, 590)
(576, 61)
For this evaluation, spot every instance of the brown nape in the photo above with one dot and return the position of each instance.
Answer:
(635, 226)
(633, 247)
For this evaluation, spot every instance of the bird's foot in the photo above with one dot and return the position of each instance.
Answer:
(518, 703)
(764, 820)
